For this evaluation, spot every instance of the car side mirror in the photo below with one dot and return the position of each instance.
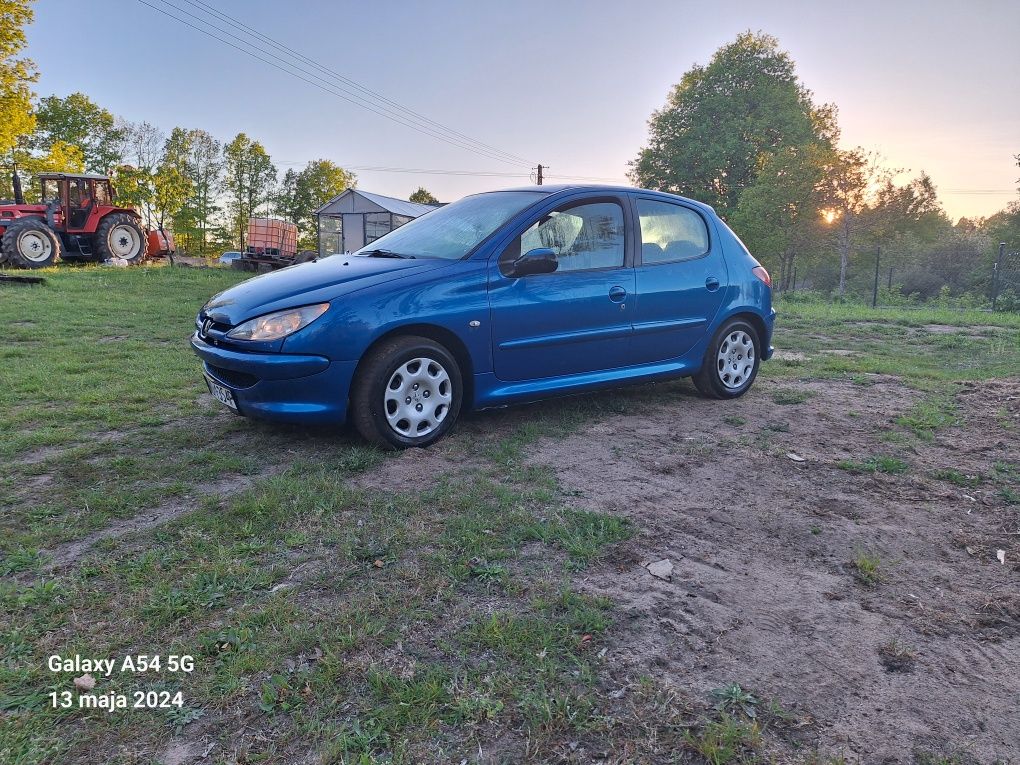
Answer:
(541, 260)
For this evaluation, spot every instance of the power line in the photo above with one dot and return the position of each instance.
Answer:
(475, 173)
(346, 95)
(210, 10)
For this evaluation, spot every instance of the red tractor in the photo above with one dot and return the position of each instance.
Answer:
(77, 220)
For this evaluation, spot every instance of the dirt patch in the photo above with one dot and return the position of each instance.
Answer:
(44, 453)
(41, 454)
(417, 469)
(971, 330)
(790, 355)
(184, 753)
(763, 548)
(69, 553)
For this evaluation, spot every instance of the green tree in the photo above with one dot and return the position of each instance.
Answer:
(423, 197)
(135, 189)
(143, 150)
(287, 203)
(777, 216)
(144, 143)
(708, 140)
(302, 193)
(171, 183)
(78, 121)
(910, 210)
(61, 158)
(17, 119)
(250, 175)
(1004, 226)
(205, 169)
(846, 187)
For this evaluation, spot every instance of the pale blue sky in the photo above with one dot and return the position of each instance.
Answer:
(931, 85)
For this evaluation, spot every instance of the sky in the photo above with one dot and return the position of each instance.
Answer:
(931, 86)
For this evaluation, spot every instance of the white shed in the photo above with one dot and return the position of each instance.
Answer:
(356, 218)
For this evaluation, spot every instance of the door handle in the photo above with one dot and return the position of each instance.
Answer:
(617, 294)
(712, 284)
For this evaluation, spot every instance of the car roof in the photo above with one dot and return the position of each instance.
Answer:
(596, 188)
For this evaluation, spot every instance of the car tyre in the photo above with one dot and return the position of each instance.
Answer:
(120, 235)
(731, 361)
(407, 393)
(30, 243)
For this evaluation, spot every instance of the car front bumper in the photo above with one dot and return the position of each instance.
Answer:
(280, 387)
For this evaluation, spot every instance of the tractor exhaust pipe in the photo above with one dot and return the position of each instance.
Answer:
(19, 195)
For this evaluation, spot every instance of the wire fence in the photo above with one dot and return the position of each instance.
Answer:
(1006, 280)
(948, 278)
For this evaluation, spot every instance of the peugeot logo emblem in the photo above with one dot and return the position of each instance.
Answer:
(205, 326)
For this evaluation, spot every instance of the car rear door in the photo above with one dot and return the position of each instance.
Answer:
(576, 319)
(680, 277)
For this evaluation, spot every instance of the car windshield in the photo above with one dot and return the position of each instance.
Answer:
(451, 232)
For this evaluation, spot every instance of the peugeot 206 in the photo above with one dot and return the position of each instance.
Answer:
(500, 298)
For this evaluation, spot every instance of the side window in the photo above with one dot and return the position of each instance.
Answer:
(103, 196)
(51, 191)
(584, 237)
(670, 232)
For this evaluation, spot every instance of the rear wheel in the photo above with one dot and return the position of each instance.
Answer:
(120, 236)
(407, 392)
(731, 361)
(30, 243)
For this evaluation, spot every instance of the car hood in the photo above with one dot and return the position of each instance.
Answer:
(315, 282)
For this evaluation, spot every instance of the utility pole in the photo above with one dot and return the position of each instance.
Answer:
(540, 168)
(997, 275)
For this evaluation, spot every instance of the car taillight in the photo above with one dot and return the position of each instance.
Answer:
(762, 274)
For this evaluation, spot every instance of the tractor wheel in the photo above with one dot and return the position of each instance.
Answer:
(30, 243)
(120, 236)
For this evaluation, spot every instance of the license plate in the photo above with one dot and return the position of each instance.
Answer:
(221, 394)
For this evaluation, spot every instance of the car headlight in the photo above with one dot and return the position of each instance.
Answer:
(274, 326)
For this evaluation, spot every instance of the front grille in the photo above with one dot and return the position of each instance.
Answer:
(232, 377)
(207, 326)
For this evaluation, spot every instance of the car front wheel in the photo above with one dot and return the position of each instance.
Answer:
(407, 392)
(731, 361)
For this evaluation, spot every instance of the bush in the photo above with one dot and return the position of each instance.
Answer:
(1008, 300)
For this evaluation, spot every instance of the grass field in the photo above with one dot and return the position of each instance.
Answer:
(486, 600)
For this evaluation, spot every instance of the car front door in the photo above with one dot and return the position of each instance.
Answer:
(577, 318)
(680, 279)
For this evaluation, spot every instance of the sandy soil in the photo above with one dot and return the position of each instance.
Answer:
(763, 591)
(746, 500)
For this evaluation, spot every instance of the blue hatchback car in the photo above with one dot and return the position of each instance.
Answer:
(500, 298)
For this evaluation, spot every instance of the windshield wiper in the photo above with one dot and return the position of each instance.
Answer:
(388, 254)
